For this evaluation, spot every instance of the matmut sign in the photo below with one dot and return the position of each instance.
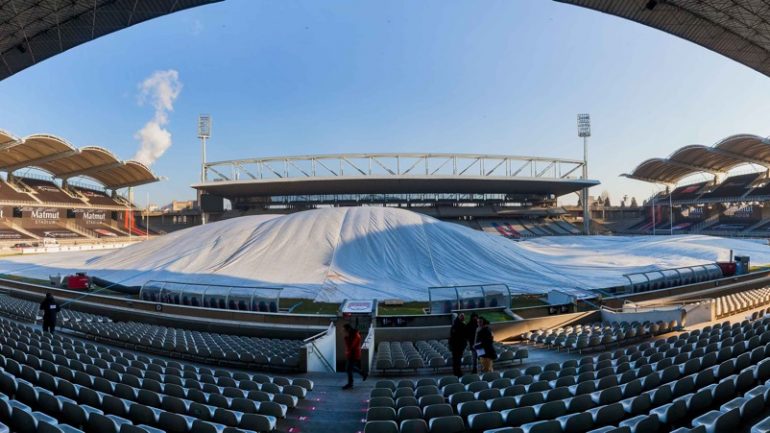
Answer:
(42, 216)
(90, 217)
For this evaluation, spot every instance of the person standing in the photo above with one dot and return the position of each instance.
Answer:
(485, 346)
(49, 308)
(470, 332)
(457, 342)
(352, 354)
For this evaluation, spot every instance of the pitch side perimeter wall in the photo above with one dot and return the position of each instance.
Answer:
(502, 330)
(271, 325)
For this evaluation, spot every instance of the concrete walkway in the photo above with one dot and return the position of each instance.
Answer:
(329, 408)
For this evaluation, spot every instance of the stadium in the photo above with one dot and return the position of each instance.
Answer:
(243, 313)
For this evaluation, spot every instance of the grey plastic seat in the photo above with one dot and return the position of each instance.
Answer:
(470, 407)
(485, 421)
(549, 426)
(670, 413)
(446, 424)
(381, 427)
(437, 410)
(609, 414)
(550, 410)
(718, 422)
(413, 426)
(382, 402)
(518, 416)
(748, 406)
(576, 422)
(642, 423)
(257, 422)
(381, 414)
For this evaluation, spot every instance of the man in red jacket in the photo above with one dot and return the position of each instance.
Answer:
(352, 354)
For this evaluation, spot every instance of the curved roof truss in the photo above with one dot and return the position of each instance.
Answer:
(718, 159)
(61, 159)
(737, 29)
(34, 30)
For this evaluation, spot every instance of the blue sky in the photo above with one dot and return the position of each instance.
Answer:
(302, 77)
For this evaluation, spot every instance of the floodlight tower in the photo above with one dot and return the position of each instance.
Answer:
(204, 133)
(584, 131)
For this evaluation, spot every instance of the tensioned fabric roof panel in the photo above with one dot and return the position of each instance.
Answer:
(63, 160)
(6, 138)
(737, 29)
(130, 173)
(89, 159)
(725, 155)
(34, 149)
(660, 170)
(34, 30)
(705, 158)
(747, 145)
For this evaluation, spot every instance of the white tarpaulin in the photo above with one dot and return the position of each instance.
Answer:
(383, 253)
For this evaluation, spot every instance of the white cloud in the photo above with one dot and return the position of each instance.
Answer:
(159, 90)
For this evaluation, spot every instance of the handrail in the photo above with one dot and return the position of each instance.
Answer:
(311, 341)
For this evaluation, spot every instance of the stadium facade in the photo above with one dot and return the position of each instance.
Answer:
(459, 187)
(722, 190)
(54, 190)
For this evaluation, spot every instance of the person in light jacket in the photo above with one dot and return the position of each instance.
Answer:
(485, 346)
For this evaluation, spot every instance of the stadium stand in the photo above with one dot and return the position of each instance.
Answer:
(48, 192)
(10, 194)
(519, 228)
(731, 304)
(405, 355)
(97, 198)
(714, 378)
(234, 351)
(596, 336)
(733, 187)
(688, 192)
(57, 383)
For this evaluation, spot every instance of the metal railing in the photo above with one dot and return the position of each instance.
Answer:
(393, 164)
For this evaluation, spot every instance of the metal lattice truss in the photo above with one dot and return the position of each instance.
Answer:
(716, 160)
(738, 29)
(61, 159)
(393, 164)
(34, 30)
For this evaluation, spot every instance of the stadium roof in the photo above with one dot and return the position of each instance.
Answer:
(738, 29)
(717, 159)
(34, 30)
(420, 184)
(63, 160)
(393, 173)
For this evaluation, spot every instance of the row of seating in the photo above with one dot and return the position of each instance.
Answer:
(229, 350)
(672, 382)
(57, 383)
(402, 355)
(596, 336)
(735, 303)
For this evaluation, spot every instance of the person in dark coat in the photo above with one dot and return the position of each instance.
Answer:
(457, 341)
(49, 308)
(470, 333)
(353, 343)
(485, 346)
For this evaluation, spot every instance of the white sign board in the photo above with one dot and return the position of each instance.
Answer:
(358, 307)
